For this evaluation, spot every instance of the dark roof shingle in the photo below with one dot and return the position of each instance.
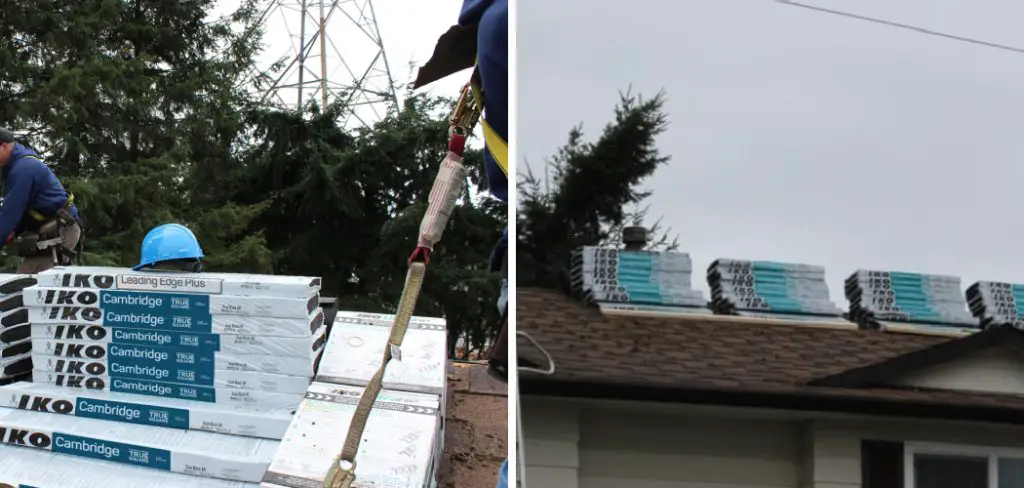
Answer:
(663, 353)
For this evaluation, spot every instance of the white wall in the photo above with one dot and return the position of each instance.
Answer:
(602, 447)
(836, 443)
(573, 444)
(551, 429)
(997, 370)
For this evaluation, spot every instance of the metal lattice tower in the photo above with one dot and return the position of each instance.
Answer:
(335, 55)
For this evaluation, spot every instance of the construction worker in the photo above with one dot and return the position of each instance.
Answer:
(491, 19)
(480, 39)
(36, 209)
(170, 247)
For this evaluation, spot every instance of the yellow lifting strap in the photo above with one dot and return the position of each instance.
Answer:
(42, 218)
(342, 473)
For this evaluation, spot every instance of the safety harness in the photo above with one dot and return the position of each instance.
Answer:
(496, 145)
(448, 186)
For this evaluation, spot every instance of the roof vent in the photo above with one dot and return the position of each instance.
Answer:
(996, 303)
(791, 292)
(635, 238)
(897, 301)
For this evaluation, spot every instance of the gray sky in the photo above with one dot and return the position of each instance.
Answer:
(800, 136)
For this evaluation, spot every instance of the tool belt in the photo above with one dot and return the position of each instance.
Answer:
(49, 237)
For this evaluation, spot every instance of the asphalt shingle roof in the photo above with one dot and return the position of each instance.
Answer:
(666, 353)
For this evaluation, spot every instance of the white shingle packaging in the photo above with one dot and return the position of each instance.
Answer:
(764, 287)
(228, 395)
(189, 452)
(118, 301)
(181, 322)
(14, 283)
(30, 468)
(14, 317)
(17, 333)
(893, 296)
(108, 278)
(15, 366)
(15, 330)
(397, 449)
(656, 278)
(190, 373)
(107, 370)
(356, 346)
(268, 422)
(15, 350)
(287, 346)
(11, 302)
(997, 303)
(198, 366)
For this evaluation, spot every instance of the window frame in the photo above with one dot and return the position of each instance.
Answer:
(991, 453)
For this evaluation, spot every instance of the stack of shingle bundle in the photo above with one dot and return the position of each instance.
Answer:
(31, 468)
(403, 440)
(996, 303)
(896, 299)
(608, 275)
(15, 344)
(766, 288)
(197, 374)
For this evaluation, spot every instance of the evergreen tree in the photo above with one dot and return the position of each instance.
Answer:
(592, 188)
(136, 105)
(348, 208)
(140, 107)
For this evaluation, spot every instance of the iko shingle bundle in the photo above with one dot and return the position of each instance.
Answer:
(176, 335)
(188, 452)
(400, 449)
(15, 330)
(190, 373)
(405, 445)
(356, 347)
(740, 287)
(608, 275)
(996, 303)
(266, 421)
(880, 297)
(32, 468)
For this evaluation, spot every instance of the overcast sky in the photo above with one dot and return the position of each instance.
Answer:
(408, 30)
(799, 136)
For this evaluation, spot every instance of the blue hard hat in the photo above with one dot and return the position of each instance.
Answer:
(169, 242)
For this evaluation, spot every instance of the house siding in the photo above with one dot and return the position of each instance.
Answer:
(836, 444)
(997, 370)
(616, 448)
(551, 447)
(586, 445)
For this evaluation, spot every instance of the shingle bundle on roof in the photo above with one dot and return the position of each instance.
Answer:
(893, 296)
(765, 287)
(611, 275)
(995, 303)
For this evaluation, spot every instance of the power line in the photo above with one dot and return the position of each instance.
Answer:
(914, 28)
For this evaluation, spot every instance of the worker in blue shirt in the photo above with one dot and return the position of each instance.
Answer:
(480, 39)
(36, 211)
(491, 20)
